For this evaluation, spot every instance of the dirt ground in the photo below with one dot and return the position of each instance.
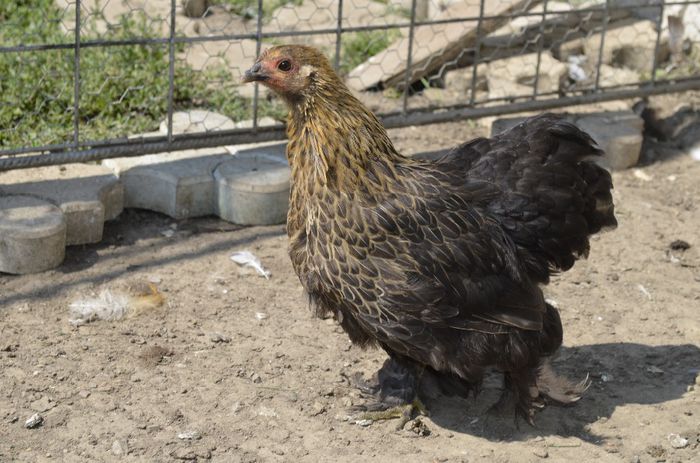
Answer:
(234, 368)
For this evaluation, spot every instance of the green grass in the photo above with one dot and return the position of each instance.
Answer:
(359, 46)
(123, 89)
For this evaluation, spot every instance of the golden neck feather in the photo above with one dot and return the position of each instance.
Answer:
(334, 139)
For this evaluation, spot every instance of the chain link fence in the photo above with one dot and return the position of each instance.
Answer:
(92, 79)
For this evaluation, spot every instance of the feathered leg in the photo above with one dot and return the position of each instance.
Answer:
(395, 391)
(519, 394)
(526, 388)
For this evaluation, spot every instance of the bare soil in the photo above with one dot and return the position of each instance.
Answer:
(239, 363)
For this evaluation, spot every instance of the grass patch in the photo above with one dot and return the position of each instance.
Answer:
(123, 89)
(357, 47)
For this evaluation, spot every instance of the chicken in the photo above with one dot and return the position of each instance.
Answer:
(439, 263)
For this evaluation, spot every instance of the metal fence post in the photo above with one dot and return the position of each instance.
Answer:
(76, 79)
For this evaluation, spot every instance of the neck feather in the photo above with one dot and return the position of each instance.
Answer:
(335, 140)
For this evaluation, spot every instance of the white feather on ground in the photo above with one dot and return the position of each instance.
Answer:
(113, 305)
(106, 306)
(248, 259)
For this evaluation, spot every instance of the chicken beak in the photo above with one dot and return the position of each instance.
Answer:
(255, 74)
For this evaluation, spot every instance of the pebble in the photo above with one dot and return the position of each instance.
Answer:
(264, 411)
(656, 451)
(42, 405)
(9, 348)
(317, 408)
(84, 394)
(679, 245)
(189, 435)
(542, 453)
(677, 442)
(364, 423)
(191, 454)
(34, 421)
(261, 315)
(120, 447)
(655, 370)
(218, 337)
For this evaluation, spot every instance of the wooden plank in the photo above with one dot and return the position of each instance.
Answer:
(434, 45)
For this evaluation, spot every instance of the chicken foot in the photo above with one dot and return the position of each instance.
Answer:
(403, 413)
(395, 392)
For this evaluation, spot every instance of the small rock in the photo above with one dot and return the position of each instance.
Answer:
(9, 348)
(677, 442)
(656, 451)
(218, 337)
(364, 423)
(84, 394)
(265, 411)
(42, 405)
(656, 371)
(317, 408)
(542, 453)
(120, 447)
(641, 175)
(261, 315)
(679, 245)
(189, 435)
(34, 421)
(606, 378)
(187, 453)
(256, 378)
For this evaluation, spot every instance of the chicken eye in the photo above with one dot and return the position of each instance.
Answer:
(284, 65)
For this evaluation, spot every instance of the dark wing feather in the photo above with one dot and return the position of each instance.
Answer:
(553, 196)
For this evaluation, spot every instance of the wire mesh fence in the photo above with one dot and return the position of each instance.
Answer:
(92, 79)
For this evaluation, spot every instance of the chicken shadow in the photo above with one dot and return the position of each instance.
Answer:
(620, 374)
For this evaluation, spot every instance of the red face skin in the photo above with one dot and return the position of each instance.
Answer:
(279, 73)
(290, 71)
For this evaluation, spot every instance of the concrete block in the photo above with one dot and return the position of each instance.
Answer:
(619, 134)
(87, 194)
(253, 187)
(178, 184)
(32, 235)
(517, 75)
(632, 46)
